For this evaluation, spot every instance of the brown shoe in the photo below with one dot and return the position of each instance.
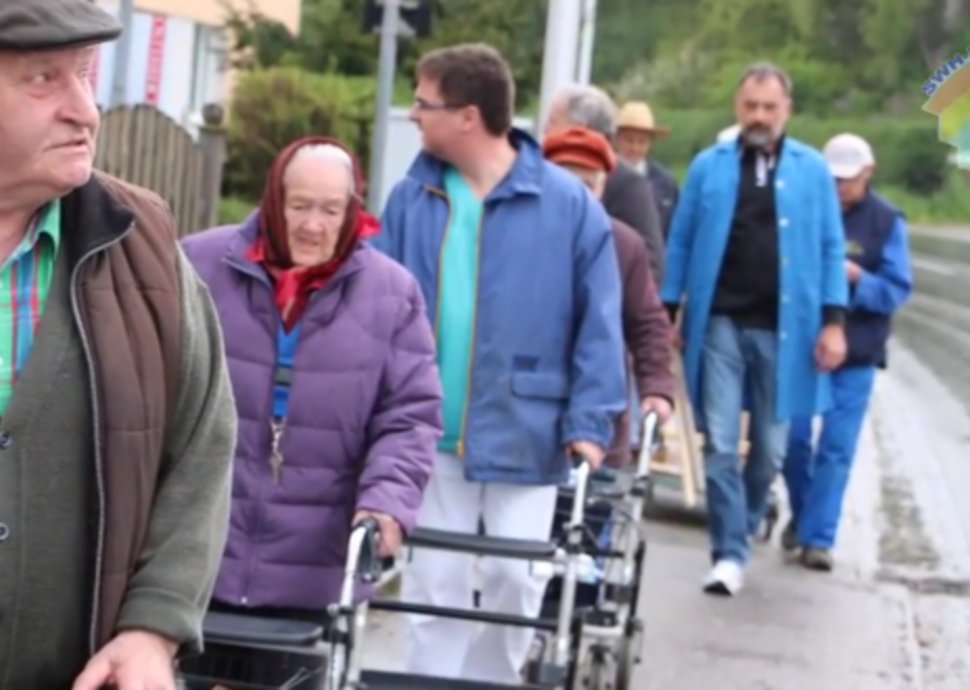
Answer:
(818, 559)
(789, 537)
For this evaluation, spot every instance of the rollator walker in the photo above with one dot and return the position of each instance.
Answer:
(588, 632)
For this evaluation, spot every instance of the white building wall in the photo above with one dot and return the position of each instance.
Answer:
(186, 60)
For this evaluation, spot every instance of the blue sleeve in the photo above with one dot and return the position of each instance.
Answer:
(598, 382)
(388, 240)
(835, 285)
(889, 286)
(681, 237)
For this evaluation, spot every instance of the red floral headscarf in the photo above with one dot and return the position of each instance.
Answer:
(294, 284)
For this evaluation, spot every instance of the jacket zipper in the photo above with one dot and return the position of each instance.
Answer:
(460, 445)
(278, 434)
(96, 417)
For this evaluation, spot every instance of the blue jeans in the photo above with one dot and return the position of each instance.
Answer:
(739, 365)
(817, 481)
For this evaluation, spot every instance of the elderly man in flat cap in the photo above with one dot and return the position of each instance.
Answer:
(116, 416)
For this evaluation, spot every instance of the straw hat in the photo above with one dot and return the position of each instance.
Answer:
(638, 115)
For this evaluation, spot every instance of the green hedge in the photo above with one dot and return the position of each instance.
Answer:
(909, 154)
(272, 107)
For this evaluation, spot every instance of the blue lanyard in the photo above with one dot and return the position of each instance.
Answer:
(282, 383)
(283, 376)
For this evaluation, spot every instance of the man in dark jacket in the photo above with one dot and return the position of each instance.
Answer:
(117, 417)
(646, 329)
(880, 280)
(627, 196)
(636, 133)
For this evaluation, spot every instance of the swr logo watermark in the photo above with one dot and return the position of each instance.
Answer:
(945, 70)
(948, 90)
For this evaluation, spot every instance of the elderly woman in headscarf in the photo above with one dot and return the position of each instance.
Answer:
(332, 363)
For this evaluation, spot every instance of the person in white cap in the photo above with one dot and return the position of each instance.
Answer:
(880, 279)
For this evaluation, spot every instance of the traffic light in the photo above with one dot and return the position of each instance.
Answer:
(415, 17)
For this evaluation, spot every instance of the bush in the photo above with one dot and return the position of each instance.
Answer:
(234, 210)
(909, 154)
(950, 205)
(272, 107)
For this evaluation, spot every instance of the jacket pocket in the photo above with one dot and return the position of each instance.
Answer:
(529, 384)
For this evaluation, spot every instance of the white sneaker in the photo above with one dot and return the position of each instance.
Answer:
(726, 578)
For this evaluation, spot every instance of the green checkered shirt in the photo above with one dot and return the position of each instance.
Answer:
(25, 279)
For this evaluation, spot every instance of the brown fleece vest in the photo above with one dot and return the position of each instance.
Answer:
(126, 288)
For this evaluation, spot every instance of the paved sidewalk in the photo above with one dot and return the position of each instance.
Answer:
(893, 616)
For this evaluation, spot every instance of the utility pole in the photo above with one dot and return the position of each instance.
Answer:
(561, 46)
(584, 70)
(119, 82)
(385, 92)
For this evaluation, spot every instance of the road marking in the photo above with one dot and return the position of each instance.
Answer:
(931, 266)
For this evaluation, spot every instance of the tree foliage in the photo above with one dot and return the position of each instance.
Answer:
(272, 107)
(844, 55)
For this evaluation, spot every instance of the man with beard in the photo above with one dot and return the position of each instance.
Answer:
(756, 248)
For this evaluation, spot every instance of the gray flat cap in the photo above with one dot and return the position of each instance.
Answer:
(50, 24)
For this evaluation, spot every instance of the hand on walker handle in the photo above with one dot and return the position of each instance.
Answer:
(655, 403)
(134, 660)
(588, 450)
(390, 534)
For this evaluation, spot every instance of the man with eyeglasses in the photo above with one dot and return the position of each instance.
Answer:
(517, 263)
(880, 281)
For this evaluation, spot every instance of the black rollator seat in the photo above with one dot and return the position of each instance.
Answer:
(482, 545)
(232, 628)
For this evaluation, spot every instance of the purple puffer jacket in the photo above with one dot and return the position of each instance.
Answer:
(363, 418)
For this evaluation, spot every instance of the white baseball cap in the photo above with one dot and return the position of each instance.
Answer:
(847, 155)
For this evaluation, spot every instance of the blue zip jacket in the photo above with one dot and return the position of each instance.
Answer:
(547, 360)
(811, 244)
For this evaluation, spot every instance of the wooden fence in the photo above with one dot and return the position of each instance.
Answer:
(142, 145)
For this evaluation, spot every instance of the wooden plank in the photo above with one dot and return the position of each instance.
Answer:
(154, 161)
(174, 142)
(181, 159)
(123, 133)
(186, 192)
(190, 200)
(681, 453)
(141, 146)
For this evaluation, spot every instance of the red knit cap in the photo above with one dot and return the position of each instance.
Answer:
(581, 147)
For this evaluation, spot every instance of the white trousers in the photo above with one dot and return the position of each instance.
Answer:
(454, 648)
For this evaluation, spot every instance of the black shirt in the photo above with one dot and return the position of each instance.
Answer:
(748, 284)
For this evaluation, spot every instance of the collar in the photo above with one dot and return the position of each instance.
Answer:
(525, 176)
(47, 222)
(91, 217)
